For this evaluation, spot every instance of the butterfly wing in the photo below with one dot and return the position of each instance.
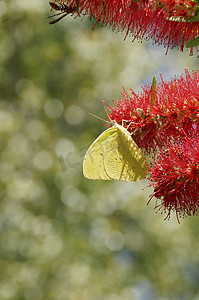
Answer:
(114, 155)
(126, 162)
(94, 161)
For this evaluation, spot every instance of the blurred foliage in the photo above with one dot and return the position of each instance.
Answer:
(61, 235)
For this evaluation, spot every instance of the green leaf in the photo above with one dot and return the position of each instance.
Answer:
(77, 6)
(153, 90)
(193, 43)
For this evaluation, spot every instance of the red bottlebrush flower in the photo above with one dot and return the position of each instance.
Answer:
(164, 120)
(175, 178)
(168, 22)
(171, 112)
(133, 112)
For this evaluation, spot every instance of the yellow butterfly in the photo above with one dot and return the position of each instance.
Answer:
(115, 155)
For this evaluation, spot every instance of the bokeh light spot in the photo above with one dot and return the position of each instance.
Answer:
(115, 241)
(54, 108)
(74, 115)
(43, 160)
(7, 121)
(6, 171)
(36, 129)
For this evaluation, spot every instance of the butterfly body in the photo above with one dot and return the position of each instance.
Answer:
(115, 155)
(64, 11)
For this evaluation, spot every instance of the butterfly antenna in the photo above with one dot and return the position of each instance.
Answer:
(105, 108)
(98, 118)
(112, 121)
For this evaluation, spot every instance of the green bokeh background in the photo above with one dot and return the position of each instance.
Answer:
(63, 237)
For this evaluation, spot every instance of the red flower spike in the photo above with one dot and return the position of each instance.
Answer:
(173, 112)
(168, 22)
(175, 178)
